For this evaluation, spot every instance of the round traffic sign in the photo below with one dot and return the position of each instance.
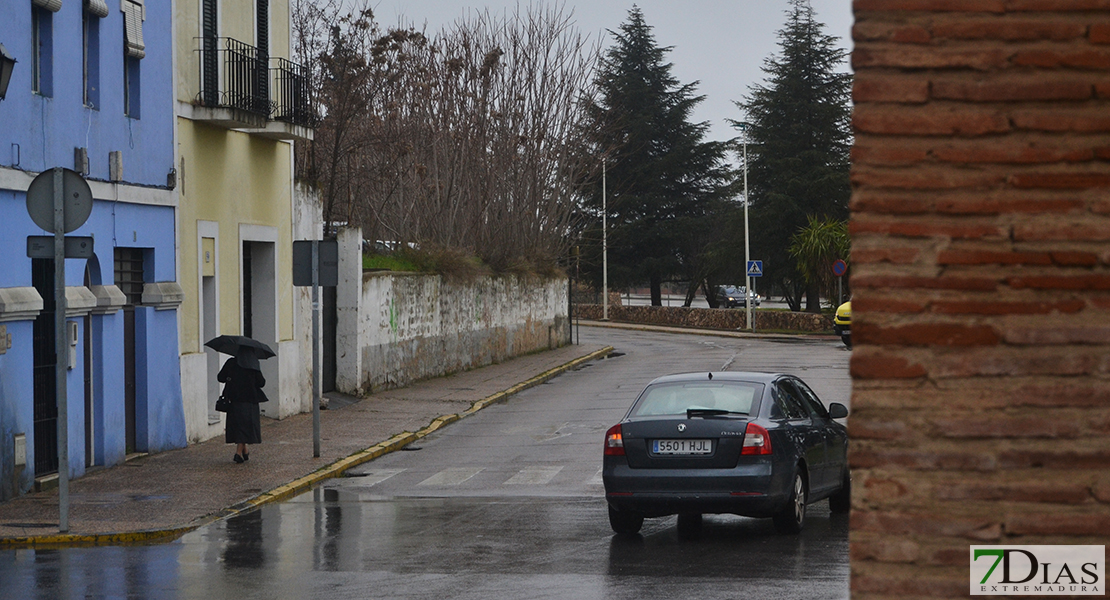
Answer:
(76, 197)
(839, 267)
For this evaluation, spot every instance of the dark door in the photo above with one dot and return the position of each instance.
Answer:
(807, 434)
(129, 279)
(327, 329)
(836, 439)
(45, 376)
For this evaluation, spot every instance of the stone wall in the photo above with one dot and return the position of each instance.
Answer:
(397, 328)
(981, 280)
(708, 318)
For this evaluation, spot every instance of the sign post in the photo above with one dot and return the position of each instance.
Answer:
(839, 268)
(59, 201)
(755, 269)
(316, 263)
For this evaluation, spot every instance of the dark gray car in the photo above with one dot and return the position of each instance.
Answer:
(751, 444)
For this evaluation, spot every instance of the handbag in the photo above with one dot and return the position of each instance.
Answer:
(223, 404)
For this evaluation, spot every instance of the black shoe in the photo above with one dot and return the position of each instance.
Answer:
(239, 459)
(246, 457)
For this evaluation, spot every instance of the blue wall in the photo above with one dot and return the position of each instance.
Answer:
(38, 132)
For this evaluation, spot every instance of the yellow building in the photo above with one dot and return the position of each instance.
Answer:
(240, 105)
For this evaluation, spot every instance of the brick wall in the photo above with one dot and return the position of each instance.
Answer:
(981, 246)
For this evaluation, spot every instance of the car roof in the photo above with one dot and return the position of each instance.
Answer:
(750, 376)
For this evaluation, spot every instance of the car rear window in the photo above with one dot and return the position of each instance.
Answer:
(676, 398)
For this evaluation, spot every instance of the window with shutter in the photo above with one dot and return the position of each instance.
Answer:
(134, 13)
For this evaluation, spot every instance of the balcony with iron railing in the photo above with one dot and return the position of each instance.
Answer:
(242, 88)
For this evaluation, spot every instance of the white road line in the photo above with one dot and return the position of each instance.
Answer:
(374, 476)
(596, 480)
(534, 476)
(452, 476)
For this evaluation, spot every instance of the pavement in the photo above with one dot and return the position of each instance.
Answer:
(159, 497)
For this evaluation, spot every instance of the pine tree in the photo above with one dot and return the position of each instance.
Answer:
(664, 183)
(799, 137)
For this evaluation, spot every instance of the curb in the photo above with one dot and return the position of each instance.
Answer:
(296, 486)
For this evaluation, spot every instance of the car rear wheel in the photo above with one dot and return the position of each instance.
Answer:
(847, 339)
(841, 502)
(625, 522)
(793, 515)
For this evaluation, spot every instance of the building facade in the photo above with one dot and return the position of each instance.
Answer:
(240, 104)
(91, 91)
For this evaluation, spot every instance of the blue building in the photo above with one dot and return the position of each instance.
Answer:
(92, 91)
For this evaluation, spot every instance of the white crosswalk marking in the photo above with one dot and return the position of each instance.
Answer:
(374, 476)
(452, 476)
(534, 476)
(596, 479)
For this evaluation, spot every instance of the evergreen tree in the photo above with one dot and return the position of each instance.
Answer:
(665, 185)
(799, 138)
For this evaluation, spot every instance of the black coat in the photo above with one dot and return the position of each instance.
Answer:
(241, 385)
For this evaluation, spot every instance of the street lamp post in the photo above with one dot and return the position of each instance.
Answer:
(747, 247)
(604, 249)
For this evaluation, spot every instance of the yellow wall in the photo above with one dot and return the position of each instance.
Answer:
(232, 178)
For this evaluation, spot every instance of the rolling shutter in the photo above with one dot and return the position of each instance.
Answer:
(96, 8)
(50, 5)
(134, 13)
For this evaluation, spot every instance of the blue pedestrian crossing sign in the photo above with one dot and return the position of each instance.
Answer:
(755, 268)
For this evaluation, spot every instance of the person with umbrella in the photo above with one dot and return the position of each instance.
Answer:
(243, 382)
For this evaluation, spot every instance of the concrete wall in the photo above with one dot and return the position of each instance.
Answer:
(395, 328)
(981, 279)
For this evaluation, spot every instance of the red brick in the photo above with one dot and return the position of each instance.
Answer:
(876, 430)
(1082, 59)
(924, 179)
(1004, 153)
(947, 525)
(921, 460)
(1065, 458)
(1078, 120)
(895, 203)
(886, 305)
(1009, 204)
(906, 120)
(1058, 334)
(925, 229)
(971, 307)
(886, 550)
(898, 256)
(926, 334)
(1052, 493)
(1091, 522)
(992, 6)
(1006, 427)
(889, 88)
(980, 284)
(1099, 33)
(1061, 181)
(887, 154)
(907, 587)
(1088, 230)
(986, 257)
(1061, 282)
(883, 366)
(1009, 29)
(1075, 259)
(893, 32)
(926, 57)
(1017, 362)
(1062, 6)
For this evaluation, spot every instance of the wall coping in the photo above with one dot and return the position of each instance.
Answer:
(19, 304)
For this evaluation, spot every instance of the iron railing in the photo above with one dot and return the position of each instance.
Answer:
(291, 93)
(235, 75)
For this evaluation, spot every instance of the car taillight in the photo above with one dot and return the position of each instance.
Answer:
(614, 441)
(756, 440)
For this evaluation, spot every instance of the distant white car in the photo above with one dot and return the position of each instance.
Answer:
(732, 296)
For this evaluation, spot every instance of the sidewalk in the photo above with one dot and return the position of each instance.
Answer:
(161, 496)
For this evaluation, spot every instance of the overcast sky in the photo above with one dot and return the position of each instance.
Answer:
(720, 43)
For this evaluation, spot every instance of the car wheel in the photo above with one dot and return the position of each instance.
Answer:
(841, 502)
(625, 522)
(793, 515)
(847, 339)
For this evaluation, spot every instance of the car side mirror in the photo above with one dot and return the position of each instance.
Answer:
(837, 411)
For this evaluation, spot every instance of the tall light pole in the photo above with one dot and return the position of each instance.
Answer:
(747, 246)
(604, 249)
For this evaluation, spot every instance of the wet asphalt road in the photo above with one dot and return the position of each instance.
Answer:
(505, 504)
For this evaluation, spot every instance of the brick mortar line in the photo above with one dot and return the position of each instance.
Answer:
(299, 485)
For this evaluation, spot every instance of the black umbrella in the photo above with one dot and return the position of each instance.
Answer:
(232, 344)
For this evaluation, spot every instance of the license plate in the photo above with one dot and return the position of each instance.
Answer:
(682, 447)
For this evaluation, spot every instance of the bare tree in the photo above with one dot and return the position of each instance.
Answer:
(470, 141)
